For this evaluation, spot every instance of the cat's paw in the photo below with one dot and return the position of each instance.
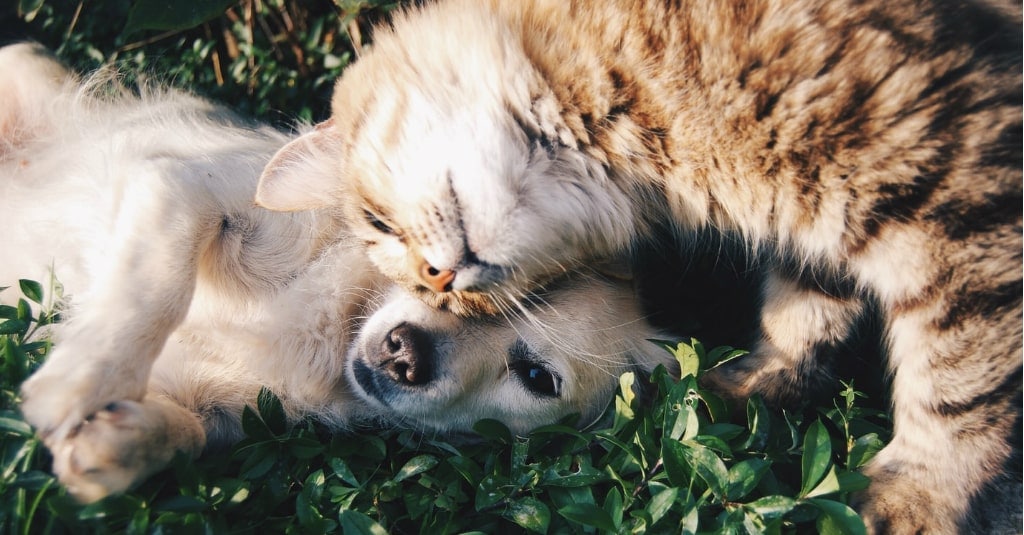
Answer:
(118, 446)
(898, 505)
(755, 374)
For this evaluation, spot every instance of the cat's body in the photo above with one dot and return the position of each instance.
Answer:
(858, 149)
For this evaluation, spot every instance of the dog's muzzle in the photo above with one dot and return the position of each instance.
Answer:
(403, 360)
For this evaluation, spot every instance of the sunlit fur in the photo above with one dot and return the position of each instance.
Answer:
(863, 151)
(183, 299)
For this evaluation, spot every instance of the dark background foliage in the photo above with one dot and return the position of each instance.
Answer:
(270, 59)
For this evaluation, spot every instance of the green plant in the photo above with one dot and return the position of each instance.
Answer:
(678, 463)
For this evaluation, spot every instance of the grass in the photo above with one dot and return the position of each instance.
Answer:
(678, 463)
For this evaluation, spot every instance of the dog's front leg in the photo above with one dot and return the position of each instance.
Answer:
(142, 280)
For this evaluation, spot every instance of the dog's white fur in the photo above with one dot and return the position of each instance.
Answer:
(185, 299)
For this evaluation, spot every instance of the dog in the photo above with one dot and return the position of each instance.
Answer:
(182, 299)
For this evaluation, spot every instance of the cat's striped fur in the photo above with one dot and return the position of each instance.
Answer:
(863, 150)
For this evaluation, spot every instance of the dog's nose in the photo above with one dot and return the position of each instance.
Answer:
(439, 280)
(406, 355)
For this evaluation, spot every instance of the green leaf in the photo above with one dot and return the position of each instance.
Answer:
(661, 503)
(13, 359)
(759, 422)
(259, 462)
(24, 311)
(613, 506)
(772, 507)
(493, 430)
(529, 513)
(710, 468)
(624, 401)
(356, 523)
(585, 475)
(853, 481)
(688, 358)
(306, 503)
(744, 476)
(172, 14)
(721, 355)
(253, 425)
(32, 290)
(27, 9)
(416, 465)
(677, 468)
(680, 416)
(828, 485)
(717, 407)
(271, 411)
(342, 470)
(817, 456)
(863, 449)
(13, 327)
(467, 468)
(305, 447)
(181, 504)
(491, 490)
(15, 426)
(8, 312)
(837, 518)
(589, 515)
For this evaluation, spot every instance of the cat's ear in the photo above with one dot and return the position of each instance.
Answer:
(303, 175)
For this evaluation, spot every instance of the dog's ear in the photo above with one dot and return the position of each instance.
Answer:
(303, 175)
(31, 79)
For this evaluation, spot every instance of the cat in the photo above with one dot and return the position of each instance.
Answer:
(183, 299)
(861, 151)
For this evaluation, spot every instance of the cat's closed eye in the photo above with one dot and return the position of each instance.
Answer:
(377, 223)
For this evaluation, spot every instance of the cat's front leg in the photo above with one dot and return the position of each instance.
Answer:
(956, 407)
(801, 327)
(122, 444)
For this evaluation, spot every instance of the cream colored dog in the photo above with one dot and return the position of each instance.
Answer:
(184, 299)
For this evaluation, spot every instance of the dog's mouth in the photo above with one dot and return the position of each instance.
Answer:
(370, 385)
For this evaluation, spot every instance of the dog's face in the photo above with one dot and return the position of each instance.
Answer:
(561, 355)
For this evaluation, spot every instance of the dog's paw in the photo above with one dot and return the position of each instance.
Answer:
(57, 399)
(120, 445)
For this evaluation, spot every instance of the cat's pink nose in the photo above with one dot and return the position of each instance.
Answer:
(439, 280)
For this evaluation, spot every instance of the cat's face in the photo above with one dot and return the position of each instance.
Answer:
(432, 370)
(459, 198)
(465, 210)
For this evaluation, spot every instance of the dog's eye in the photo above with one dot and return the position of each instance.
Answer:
(375, 221)
(532, 374)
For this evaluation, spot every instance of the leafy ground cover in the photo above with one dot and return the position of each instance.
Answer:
(679, 463)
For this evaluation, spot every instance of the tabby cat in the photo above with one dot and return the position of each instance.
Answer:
(863, 151)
